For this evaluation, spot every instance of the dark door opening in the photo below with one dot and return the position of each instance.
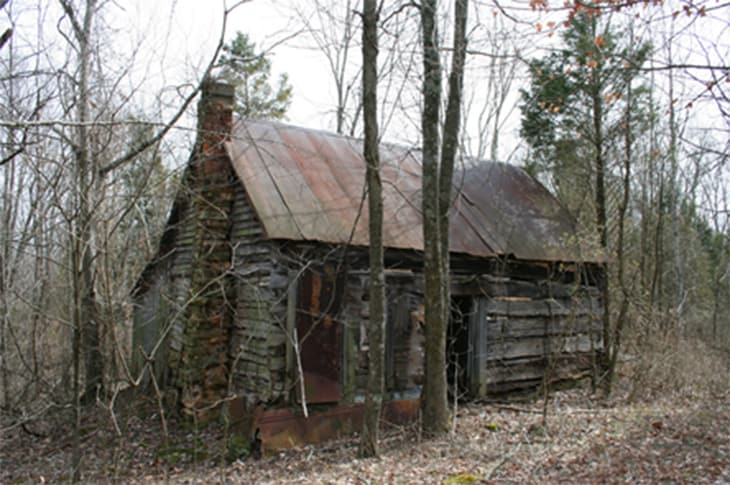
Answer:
(458, 349)
(319, 333)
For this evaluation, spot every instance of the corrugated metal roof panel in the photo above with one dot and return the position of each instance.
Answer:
(309, 185)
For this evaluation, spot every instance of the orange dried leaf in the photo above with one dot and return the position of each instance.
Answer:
(539, 27)
(600, 42)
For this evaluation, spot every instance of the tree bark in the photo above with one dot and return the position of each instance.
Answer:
(452, 125)
(86, 340)
(620, 242)
(601, 217)
(434, 402)
(675, 203)
(376, 325)
(437, 182)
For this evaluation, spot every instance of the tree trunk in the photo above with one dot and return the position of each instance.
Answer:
(86, 330)
(620, 243)
(376, 326)
(436, 202)
(601, 219)
(450, 145)
(434, 403)
(675, 202)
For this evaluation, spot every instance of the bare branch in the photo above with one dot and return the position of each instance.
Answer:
(5, 37)
(136, 151)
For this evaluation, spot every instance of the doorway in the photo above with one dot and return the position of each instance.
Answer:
(458, 347)
(319, 333)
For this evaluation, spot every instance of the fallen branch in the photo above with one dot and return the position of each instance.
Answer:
(516, 409)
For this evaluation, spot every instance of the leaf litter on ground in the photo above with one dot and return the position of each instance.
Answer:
(676, 439)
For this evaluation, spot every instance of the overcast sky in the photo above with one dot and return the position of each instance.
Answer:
(190, 29)
(193, 33)
(177, 39)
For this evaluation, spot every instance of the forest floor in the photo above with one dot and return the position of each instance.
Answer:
(682, 438)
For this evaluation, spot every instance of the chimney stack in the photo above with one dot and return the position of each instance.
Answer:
(215, 122)
(204, 365)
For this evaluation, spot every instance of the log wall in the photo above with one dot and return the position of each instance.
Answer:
(537, 330)
(528, 322)
(177, 293)
(258, 335)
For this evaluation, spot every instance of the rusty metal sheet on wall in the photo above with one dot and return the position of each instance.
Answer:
(285, 428)
(318, 303)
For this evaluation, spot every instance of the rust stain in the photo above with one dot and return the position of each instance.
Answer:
(308, 185)
(316, 289)
(319, 300)
(284, 428)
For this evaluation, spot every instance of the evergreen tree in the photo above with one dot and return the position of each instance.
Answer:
(571, 113)
(250, 72)
(578, 118)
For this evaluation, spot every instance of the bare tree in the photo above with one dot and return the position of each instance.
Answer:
(376, 325)
(490, 99)
(332, 27)
(437, 175)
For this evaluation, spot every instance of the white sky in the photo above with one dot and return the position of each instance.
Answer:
(178, 37)
(190, 29)
(193, 36)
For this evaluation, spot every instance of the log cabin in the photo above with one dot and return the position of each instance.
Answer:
(258, 295)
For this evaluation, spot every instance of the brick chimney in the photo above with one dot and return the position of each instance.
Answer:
(205, 363)
(215, 121)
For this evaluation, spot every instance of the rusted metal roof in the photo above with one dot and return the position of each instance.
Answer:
(309, 185)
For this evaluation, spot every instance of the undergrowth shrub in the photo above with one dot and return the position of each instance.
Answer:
(666, 365)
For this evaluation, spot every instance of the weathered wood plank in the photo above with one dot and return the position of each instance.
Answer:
(542, 308)
(536, 346)
(513, 328)
(272, 363)
(274, 339)
(560, 368)
(496, 286)
(251, 250)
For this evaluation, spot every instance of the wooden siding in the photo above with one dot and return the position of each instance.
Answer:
(536, 331)
(530, 321)
(150, 323)
(177, 290)
(258, 336)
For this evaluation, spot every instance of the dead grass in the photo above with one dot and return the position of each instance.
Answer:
(668, 421)
(667, 366)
